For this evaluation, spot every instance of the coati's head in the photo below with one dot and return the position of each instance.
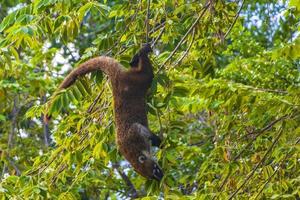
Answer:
(136, 150)
(147, 167)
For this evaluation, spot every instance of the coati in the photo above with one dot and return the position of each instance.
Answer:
(129, 91)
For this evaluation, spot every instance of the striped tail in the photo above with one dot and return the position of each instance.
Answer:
(106, 64)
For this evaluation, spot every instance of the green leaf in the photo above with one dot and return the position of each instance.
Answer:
(85, 85)
(34, 111)
(77, 94)
(180, 91)
(64, 100)
(7, 21)
(2, 118)
(295, 3)
(55, 106)
(81, 88)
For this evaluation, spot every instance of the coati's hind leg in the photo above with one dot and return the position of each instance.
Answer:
(146, 133)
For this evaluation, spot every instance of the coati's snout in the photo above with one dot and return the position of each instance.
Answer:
(135, 146)
(147, 167)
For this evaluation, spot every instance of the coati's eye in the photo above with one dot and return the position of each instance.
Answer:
(142, 158)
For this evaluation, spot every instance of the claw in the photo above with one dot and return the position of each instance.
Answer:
(157, 173)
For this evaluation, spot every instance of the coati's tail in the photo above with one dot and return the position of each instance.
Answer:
(106, 64)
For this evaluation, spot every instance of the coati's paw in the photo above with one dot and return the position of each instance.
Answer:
(155, 140)
(144, 51)
(146, 133)
(157, 173)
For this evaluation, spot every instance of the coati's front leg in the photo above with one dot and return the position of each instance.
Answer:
(146, 133)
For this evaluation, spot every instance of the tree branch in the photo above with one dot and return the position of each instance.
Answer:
(235, 19)
(160, 124)
(12, 163)
(268, 180)
(46, 130)
(256, 167)
(147, 21)
(124, 31)
(71, 53)
(133, 191)
(274, 173)
(158, 37)
(259, 132)
(91, 107)
(184, 37)
(187, 50)
(158, 26)
(270, 90)
(14, 114)
(61, 169)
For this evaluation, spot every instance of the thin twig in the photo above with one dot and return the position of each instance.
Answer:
(187, 50)
(158, 37)
(10, 140)
(61, 169)
(184, 37)
(258, 133)
(71, 53)
(265, 89)
(124, 49)
(272, 91)
(268, 180)
(124, 31)
(147, 21)
(157, 27)
(160, 124)
(133, 191)
(275, 171)
(46, 130)
(91, 107)
(256, 167)
(12, 163)
(41, 169)
(235, 19)
(202, 142)
(64, 166)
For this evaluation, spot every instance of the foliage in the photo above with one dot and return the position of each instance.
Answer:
(226, 99)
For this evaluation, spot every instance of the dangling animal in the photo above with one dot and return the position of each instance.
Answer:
(129, 87)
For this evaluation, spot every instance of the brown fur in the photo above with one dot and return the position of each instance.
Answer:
(129, 92)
